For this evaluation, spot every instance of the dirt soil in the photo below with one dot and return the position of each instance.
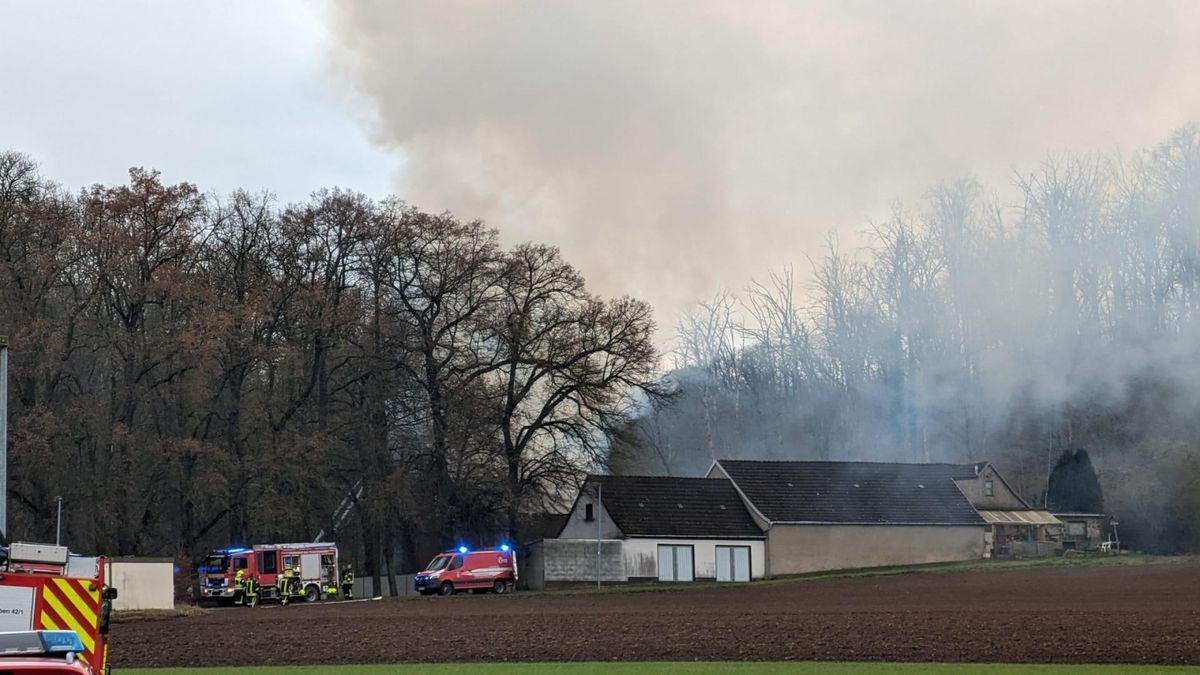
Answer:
(1129, 614)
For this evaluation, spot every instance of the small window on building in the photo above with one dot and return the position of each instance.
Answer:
(588, 514)
(988, 489)
(1076, 529)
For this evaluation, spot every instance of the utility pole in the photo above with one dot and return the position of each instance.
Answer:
(599, 517)
(58, 529)
(4, 438)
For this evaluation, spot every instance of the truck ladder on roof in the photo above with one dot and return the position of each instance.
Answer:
(343, 510)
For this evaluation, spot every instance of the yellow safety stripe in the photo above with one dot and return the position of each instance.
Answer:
(87, 603)
(51, 597)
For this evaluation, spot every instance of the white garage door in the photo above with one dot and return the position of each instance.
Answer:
(733, 563)
(674, 563)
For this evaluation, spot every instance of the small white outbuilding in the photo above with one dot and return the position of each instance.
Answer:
(666, 529)
(142, 583)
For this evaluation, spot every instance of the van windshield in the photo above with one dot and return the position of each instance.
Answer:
(438, 562)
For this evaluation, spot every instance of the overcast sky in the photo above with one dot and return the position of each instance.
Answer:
(669, 147)
(224, 94)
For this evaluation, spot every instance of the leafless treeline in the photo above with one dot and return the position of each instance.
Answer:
(191, 371)
(976, 326)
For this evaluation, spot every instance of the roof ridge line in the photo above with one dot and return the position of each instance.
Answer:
(638, 475)
(848, 461)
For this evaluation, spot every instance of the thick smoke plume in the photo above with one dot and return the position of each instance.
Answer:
(672, 148)
(967, 329)
(676, 148)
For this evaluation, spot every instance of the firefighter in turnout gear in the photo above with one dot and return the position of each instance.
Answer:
(289, 585)
(347, 583)
(250, 593)
(239, 585)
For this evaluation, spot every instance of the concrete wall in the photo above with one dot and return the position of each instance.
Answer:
(641, 556)
(1002, 499)
(575, 560)
(531, 566)
(795, 549)
(364, 586)
(579, 528)
(142, 583)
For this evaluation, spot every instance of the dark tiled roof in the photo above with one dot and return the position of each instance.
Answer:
(676, 507)
(543, 525)
(855, 492)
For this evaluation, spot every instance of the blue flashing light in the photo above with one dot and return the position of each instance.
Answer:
(236, 550)
(505, 548)
(462, 549)
(59, 641)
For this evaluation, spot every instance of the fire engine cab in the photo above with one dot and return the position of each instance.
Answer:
(280, 572)
(46, 588)
(42, 652)
(493, 569)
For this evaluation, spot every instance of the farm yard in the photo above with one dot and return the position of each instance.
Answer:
(1052, 614)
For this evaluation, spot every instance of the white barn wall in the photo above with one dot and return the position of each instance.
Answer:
(641, 556)
(796, 549)
(577, 527)
(142, 583)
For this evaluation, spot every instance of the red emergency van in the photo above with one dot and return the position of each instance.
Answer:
(492, 569)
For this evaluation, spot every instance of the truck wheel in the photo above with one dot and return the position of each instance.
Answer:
(499, 587)
(446, 588)
(312, 593)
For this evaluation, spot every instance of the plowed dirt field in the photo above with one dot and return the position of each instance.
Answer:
(1106, 614)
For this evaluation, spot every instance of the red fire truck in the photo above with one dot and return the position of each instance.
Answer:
(42, 652)
(493, 569)
(45, 587)
(313, 566)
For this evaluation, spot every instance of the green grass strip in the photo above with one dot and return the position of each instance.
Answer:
(688, 668)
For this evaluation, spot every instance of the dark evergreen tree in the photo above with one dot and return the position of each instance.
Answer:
(1074, 487)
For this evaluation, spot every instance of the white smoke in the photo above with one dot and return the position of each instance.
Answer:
(674, 147)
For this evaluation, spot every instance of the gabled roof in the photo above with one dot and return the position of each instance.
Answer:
(867, 493)
(663, 506)
(980, 466)
(543, 525)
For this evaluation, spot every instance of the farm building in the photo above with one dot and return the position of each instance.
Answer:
(1014, 527)
(837, 515)
(749, 519)
(652, 527)
(1086, 531)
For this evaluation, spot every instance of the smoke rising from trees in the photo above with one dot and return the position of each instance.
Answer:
(974, 329)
